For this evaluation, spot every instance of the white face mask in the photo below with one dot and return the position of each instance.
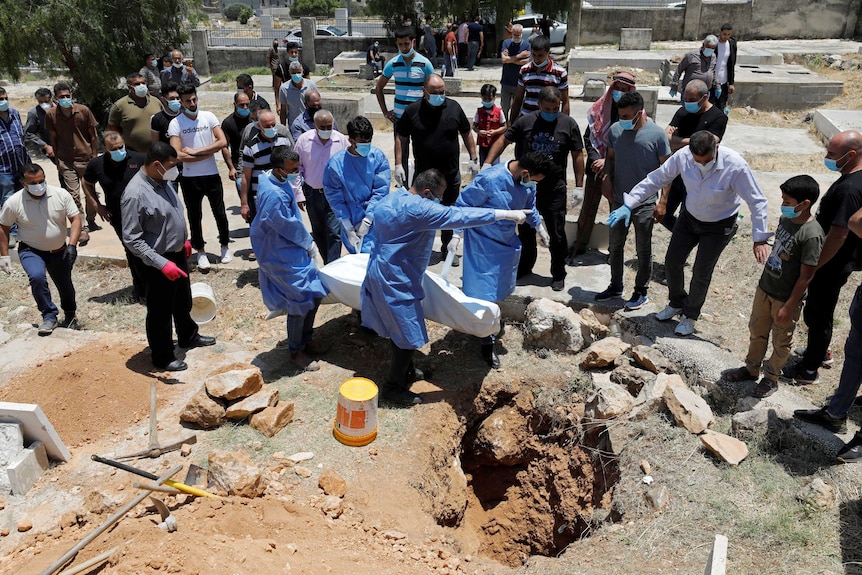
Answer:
(37, 190)
(45, 106)
(324, 134)
(171, 175)
(704, 168)
(177, 65)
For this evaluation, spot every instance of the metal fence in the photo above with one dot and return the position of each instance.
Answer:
(232, 34)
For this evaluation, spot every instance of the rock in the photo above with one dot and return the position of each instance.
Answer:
(603, 352)
(394, 535)
(658, 496)
(272, 419)
(818, 495)
(185, 450)
(333, 506)
(609, 401)
(266, 397)
(99, 502)
(68, 519)
(332, 483)
(651, 359)
(553, 326)
(728, 448)
(591, 324)
(302, 471)
(501, 438)
(203, 411)
(688, 409)
(301, 456)
(25, 525)
(234, 381)
(746, 424)
(645, 466)
(5, 531)
(235, 473)
(631, 377)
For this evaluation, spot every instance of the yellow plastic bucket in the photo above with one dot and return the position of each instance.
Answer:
(356, 419)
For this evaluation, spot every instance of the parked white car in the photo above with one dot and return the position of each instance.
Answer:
(324, 30)
(530, 22)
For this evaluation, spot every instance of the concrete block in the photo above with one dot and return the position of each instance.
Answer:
(347, 62)
(344, 106)
(27, 468)
(593, 90)
(37, 427)
(366, 72)
(635, 38)
(11, 442)
(453, 86)
(650, 96)
(717, 562)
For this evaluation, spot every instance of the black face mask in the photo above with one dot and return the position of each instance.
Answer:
(313, 111)
(275, 46)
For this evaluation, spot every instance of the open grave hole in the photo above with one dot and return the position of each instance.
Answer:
(522, 471)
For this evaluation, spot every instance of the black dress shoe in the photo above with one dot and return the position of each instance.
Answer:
(175, 365)
(822, 418)
(489, 354)
(198, 341)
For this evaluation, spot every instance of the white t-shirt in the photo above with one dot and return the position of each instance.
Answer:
(723, 53)
(42, 222)
(196, 133)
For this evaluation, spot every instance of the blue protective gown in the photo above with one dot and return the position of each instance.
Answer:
(392, 292)
(491, 253)
(353, 185)
(288, 278)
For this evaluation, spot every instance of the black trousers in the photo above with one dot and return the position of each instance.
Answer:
(675, 198)
(823, 292)
(195, 189)
(402, 372)
(136, 265)
(168, 301)
(552, 208)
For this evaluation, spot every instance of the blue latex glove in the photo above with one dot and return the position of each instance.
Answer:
(718, 93)
(620, 214)
(672, 93)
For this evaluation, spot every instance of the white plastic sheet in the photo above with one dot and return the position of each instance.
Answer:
(443, 303)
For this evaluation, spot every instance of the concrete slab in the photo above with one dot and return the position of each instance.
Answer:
(717, 562)
(27, 468)
(782, 87)
(11, 442)
(347, 62)
(830, 122)
(37, 427)
(757, 140)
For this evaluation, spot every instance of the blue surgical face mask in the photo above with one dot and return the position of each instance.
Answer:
(293, 59)
(692, 107)
(297, 78)
(627, 124)
(292, 178)
(789, 212)
(363, 149)
(243, 112)
(832, 165)
(436, 99)
(617, 94)
(4, 105)
(528, 183)
(174, 106)
(708, 52)
(269, 132)
(190, 113)
(549, 116)
(409, 54)
(118, 155)
(65, 102)
(540, 64)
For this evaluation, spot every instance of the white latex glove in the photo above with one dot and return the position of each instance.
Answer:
(400, 176)
(474, 166)
(354, 240)
(313, 252)
(6, 264)
(517, 216)
(362, 229)
(454, 242)
(544, 238)
(577, 196)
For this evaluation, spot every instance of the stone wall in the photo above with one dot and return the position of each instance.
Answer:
(233, 58)
(602, 25)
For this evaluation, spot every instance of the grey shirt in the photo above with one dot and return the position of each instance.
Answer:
(694, 66)
(153, 219)
(636, 154)
(291, 96)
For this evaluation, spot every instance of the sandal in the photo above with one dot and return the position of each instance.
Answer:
(739, 374)
(764, 388)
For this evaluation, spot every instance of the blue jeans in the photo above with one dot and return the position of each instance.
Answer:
(7, 188)
(299, 329)
(325, 227)
(472, 53)
(642, 221)
(851, 373)
(36, 263)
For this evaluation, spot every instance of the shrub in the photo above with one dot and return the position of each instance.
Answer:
(238, 12)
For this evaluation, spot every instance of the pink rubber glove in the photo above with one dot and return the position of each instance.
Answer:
(172, 272)
(187, 249)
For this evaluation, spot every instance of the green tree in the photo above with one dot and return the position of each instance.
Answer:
(313, 8)
(97, 41)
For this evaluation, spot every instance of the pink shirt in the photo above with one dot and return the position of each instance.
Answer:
(313, 155)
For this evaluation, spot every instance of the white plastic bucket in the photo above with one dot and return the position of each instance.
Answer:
(356, 420)
(203, 303)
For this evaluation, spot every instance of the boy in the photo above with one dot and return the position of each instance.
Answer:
(489, 123)
(778, 299)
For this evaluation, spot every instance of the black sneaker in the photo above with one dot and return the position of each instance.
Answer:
(70, 322)
(800, 375)
(822, 418)
(610, 293)
(852, 450)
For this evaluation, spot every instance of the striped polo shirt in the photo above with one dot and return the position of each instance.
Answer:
(409, 79)
(13, 154)
(533, 79)
(257, 151)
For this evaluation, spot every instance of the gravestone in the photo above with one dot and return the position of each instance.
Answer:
(635, 38)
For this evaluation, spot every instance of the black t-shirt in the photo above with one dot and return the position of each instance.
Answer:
(558, 139)
(232, 128)
(713, 120)
(435, 132)
(113, 177)
(842, 200)
(159, 123)
(261, 102)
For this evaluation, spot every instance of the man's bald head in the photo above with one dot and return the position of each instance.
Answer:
(434, 82)
(844, 149)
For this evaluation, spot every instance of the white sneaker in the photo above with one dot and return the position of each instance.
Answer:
(226, 255)
(668, 313)
(685, 326)
(203, 261)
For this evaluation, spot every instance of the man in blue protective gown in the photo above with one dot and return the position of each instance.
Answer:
(286, 255)
(354, 180)
(405, 222)
(491, 253)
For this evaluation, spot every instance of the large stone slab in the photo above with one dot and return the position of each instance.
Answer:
(27, 468)
(830, 122)
(727, 448)
(688, 409)
(234, 381)
(37, 427)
